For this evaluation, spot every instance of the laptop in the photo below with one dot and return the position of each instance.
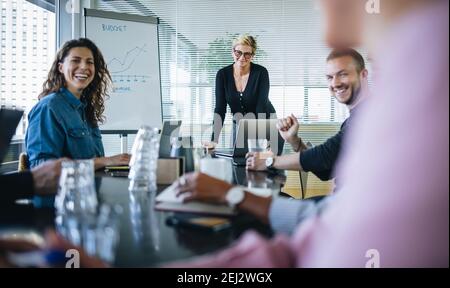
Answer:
(9, 119)
(170, 129)
(252, 129)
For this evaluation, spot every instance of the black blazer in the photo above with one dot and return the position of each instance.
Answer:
(254, 99)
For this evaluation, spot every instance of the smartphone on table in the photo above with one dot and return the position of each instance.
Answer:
(205, 223)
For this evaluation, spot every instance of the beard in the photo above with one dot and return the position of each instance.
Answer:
(356, 90)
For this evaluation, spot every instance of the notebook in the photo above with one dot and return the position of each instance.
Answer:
(167, 200)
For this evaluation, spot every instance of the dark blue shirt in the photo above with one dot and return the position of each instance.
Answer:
(322, 159)
(57, 127)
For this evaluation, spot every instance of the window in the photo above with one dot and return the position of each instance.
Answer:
(20, 77)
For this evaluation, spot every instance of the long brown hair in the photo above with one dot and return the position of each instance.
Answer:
(93, 95)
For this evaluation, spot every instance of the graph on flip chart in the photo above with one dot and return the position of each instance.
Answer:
(129, 44)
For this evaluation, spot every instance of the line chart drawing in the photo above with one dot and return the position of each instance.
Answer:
(119, 65)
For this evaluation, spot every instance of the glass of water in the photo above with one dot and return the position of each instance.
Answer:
(76, 193)
(257, 145)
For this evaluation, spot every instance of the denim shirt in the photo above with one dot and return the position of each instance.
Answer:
(57, 127)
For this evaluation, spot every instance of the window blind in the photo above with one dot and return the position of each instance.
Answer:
(195, 42)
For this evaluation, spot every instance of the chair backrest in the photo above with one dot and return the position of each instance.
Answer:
(292, 186)
(23, 162)
(304, 176)
(303, 182)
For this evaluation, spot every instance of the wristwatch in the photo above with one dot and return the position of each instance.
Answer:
(269, 162)
(235, 196)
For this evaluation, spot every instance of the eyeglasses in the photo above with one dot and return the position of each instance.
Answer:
(239, 53)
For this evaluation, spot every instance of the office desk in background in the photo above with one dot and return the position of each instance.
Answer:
(145, 238)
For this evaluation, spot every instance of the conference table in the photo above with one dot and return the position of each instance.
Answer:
(145, 237)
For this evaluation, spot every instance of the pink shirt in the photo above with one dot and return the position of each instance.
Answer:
(394, 201)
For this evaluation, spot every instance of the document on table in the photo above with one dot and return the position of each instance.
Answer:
(167, 200)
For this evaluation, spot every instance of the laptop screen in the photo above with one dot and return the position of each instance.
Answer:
(9, 119)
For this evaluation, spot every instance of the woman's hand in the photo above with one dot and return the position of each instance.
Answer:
(210, 145)
(116, 160)
(201, 187)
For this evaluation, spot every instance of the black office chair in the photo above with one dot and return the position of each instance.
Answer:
(304, 176)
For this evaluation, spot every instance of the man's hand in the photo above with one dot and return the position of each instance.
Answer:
(201, 187)
(288, 128)
(46, 177)
(257, 161)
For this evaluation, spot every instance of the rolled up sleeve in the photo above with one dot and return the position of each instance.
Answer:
(286, 214)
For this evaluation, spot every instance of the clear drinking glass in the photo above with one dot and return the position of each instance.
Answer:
(257, 145)
(76, 191)
(197, 155)
(77, 218)
(76, 201)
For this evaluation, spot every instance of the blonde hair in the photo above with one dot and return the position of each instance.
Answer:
(245, 40)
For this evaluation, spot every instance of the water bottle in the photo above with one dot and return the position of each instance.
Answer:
(144, 160)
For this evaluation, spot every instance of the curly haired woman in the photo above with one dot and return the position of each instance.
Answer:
(64, 123)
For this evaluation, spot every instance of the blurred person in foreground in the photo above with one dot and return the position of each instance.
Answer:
(394, 199)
